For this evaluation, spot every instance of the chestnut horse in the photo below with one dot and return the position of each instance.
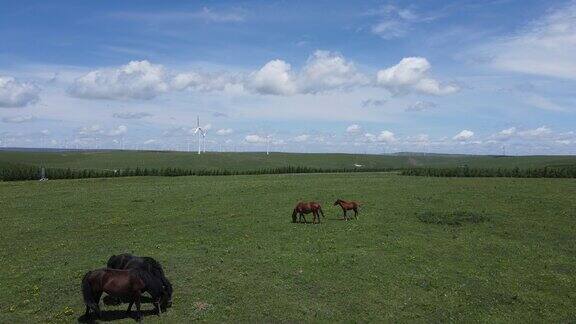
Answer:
(348, 205)
(120, 283)
(307, 208)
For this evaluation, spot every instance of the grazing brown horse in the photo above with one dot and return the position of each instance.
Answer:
(348, 205)
(119, 283)
(128, 261)
(307, 208)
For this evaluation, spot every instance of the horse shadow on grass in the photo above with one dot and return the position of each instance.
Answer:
(118, 314)
(325, 219)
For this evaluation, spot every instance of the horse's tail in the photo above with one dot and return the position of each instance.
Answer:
(87, 292)
(294, 213)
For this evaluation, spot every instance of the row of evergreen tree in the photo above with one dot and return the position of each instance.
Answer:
(544, 172)
(14, 172)
(19, 172)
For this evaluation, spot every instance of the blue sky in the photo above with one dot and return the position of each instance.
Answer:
(323, 76)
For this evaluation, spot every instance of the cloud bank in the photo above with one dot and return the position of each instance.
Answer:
(323, 72)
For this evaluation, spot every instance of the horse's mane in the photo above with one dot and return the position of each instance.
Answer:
(152, 282)
(153, 263)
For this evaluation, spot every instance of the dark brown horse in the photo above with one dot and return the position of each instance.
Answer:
(122, 284)
(306, 208)
(128, 261)
(348, 205)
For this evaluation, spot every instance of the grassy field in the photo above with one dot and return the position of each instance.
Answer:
(232, 254)
(252, 161)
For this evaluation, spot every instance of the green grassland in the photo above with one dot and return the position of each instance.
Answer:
(232, 254)
(253, 161)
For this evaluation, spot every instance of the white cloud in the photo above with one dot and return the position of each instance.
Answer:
(206, 14)
(254, 138)
(275, 78)
(224, 131)
(135, 80)
(541, 102)
(464, 136)
(373, 103)
(546, 47)
(206, 82)
(118, 131)
(144, 80)
(354, 129)
(19, 119)
(411, 75)
(327, 71)
(389, 29)
(541, 132)
(422, 139)
(506, 133)
(324, 71)
(393, 22)
(420, 106)
(90, 130)
(14, 94)
(302, 138)
(150, 141)
(537, 132)
(97, 130)
(131, 115)
(210, 15)
(384, 137)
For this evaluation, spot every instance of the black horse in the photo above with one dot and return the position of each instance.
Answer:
(147, 264)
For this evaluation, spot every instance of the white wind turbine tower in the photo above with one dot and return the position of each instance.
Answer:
(204, 132)
(201, 133)
(268, 143)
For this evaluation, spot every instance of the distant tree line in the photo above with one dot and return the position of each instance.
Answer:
(544, 172)
(16, 172)
(23, 172)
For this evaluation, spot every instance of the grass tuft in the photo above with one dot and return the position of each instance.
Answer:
(455, 218)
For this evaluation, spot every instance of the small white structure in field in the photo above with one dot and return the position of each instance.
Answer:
(43, 174)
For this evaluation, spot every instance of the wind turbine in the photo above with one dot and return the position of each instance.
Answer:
(201, 133)
(269, 138)
(204, 132)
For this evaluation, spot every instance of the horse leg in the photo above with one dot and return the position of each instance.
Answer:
(355, 213)
(304, 217)
(317, 216)
(129, 307)
(345, 216)
(137, 302)
(87, 313)
(156, 302)
(97, 303)
(157, 307)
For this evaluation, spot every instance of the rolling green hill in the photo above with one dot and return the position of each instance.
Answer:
(252, 161)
